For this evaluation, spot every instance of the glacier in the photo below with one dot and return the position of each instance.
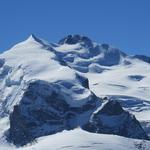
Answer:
(48, 88)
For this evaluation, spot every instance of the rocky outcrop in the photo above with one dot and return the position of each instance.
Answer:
(44, 110)
(74, 39)
(86, 55)
(143, 58)
(112, 119)
(40, 114)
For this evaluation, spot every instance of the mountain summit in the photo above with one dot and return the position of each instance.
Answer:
(31, 42)
(32, 37)
(74, 39)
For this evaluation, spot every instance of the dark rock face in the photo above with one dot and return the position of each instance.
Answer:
(44, 110)
(2, 61)
(74, 39)
(143, 58)
(112, 56)
(83, 80)
(112, 119)
(136, 77)
(105, 46)
(19, 128)
(111, 108)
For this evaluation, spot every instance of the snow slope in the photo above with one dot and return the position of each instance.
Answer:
(78, 140)
(122, 80)
(29, 61)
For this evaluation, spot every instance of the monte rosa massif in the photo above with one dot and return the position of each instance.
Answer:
(73, 95)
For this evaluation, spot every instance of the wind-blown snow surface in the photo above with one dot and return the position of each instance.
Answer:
(78, 140)
(111, 73)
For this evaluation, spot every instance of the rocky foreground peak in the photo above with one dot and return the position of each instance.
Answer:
(112, 119)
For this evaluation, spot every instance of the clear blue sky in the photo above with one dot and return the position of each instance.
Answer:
(122, 23)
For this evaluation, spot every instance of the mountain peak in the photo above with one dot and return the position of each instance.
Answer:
(74, 39)
(30, 42)
(112, 108)
(32, 37)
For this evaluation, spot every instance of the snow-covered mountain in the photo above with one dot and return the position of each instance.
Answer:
(46, 88)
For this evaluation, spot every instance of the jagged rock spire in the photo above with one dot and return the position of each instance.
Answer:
(74, 39)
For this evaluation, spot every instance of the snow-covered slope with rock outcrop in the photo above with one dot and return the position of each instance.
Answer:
(112, 119)
(47, 88)
(78, 140)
